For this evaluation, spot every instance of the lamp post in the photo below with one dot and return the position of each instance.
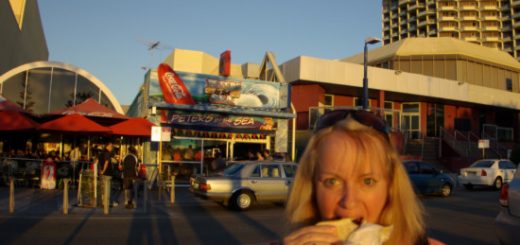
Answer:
(369, 40)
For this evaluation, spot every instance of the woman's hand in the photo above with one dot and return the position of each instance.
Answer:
(322, 234)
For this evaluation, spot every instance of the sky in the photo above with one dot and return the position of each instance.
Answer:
(110, 38)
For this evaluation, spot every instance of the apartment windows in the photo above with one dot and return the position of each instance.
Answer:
(509, 84)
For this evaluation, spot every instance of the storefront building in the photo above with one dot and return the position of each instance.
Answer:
(452, 93)
(233, 116)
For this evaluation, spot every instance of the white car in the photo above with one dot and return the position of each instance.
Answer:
(487, 172)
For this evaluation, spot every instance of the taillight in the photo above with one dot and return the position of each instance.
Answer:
(204, 186)
(504, 193)
(483, 173)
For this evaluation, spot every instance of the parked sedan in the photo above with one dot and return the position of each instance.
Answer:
(507, 222)
(487, 172)
(427, 179)
(243, 183)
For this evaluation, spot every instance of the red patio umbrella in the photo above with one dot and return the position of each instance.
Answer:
(74, 123)
(14, 118)
(6, 105)
(133, 127)
(90, 108)
(15, 121)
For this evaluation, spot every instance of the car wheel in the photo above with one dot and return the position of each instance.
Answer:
(446, 190)
(242, 200)
(498, 183)
(468, 187)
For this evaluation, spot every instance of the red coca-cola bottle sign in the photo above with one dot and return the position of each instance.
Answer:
(172, 86)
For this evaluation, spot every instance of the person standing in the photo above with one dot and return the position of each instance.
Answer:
(105, 165)
(130, 173)
(267, 155)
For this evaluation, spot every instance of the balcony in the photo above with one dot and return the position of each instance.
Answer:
(516, 25)
(489, 7)
(490, 17)
(470, 39)
(448, 18)
(515, 4)
(491, 39)
(427, 12)
(468, 7)
(447, 8)
(469, 28)
(469, 17)
(403, 2)
(448, 28)
(490, 28)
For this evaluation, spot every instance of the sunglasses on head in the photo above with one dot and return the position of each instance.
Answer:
(364, 117)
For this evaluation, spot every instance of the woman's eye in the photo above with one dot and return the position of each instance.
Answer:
(331, 182)
(369, 181)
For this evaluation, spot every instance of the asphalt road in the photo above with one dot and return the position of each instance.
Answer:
(464, 218)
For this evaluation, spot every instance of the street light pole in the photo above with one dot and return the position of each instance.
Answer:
(369, 40)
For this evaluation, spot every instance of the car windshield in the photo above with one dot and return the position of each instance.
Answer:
(482, 164)
(233, 169)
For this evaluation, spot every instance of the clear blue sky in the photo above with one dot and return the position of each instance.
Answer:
(108, 37)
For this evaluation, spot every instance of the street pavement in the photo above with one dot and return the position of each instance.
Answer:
(39, 217)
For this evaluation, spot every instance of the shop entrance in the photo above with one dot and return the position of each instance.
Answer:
(248, 151)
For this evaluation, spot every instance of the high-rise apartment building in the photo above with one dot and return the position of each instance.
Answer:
(490, 23)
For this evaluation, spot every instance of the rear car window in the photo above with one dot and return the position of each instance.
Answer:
(411, 167)
(290, 170)
(427, 168)
(233, 169)
(506, 165)
(482, 164)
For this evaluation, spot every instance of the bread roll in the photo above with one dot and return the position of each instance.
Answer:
(344, 227)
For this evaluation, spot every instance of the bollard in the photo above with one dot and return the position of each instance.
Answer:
(106, 193)
(66, 196)
(11, 195)
(172, 190)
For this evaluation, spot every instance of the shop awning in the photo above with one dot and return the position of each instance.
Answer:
(248, 111)
(138, 127)
(74, 123)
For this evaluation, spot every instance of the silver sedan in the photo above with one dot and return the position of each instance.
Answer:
(243, 183)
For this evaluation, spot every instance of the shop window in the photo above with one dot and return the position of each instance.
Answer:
(315, 113)
(358, 102)
(389, 114)
(329, 100)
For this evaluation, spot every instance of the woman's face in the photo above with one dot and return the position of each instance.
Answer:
(345, 189)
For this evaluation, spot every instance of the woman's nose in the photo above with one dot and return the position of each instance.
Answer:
(349, 198)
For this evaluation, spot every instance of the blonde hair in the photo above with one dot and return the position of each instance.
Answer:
(402, 209)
